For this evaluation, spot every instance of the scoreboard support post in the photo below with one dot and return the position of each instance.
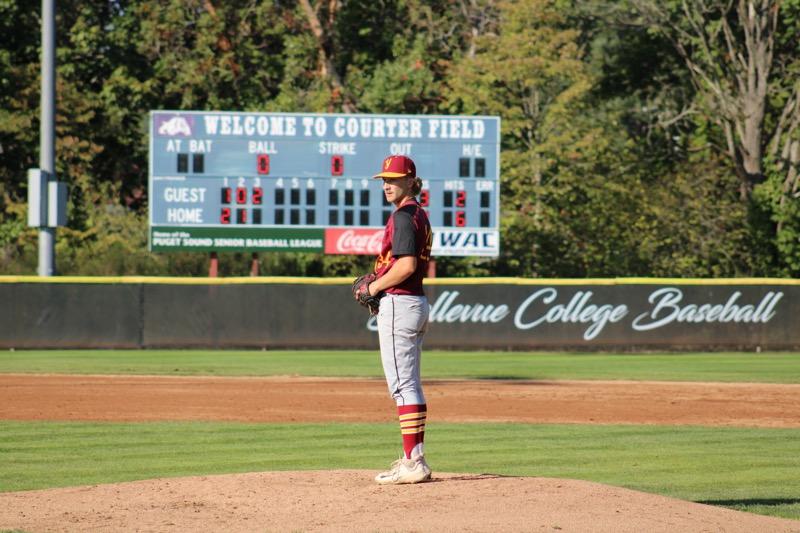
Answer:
(431, 268)
(213, 265)
(254, 265)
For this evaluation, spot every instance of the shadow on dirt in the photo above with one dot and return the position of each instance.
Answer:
(466, 477)
(754, 501)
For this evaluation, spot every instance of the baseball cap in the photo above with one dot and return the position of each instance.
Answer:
(397, 166)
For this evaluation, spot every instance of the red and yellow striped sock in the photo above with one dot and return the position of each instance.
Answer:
(412, 425)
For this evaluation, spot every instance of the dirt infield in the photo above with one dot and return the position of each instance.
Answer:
(349, 500)
(149, 398)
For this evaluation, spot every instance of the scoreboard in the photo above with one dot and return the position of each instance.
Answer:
(235, 181)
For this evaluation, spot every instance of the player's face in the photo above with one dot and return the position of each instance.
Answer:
(396, 190)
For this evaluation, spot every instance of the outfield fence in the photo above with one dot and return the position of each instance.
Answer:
(477, 313)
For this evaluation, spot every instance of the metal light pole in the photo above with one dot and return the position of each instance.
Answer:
(47, 132)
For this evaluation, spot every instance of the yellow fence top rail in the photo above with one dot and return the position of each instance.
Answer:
(300, 280)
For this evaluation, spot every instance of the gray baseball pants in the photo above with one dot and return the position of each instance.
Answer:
(402, 322)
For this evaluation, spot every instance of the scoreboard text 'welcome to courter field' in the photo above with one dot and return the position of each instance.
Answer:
(228, 181)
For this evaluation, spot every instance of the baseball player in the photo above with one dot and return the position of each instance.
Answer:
(403, 312)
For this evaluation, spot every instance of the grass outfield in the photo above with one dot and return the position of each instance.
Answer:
(748, 469)
(756, 470)
(725, 367)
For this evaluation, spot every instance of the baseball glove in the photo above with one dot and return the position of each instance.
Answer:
(362, 296)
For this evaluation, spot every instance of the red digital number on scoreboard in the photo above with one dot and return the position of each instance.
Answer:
(262, 163)
(226, 195)
(241, 195)
(424, 198)
(337, 165)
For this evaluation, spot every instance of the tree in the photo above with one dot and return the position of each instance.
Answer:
(322, 29)
(612, 124)
(742, 56)
(730, 51)
(561, 164)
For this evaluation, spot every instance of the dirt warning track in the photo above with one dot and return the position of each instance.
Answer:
(301, 399)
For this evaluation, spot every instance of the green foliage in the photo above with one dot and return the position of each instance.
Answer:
(745, 106)
(404, 85)
(779, 208)
(563, 165)
(608, 165)
(697, 223)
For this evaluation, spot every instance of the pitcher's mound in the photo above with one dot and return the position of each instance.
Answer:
(348, 500)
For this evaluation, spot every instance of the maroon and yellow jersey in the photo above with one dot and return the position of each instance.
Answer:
(408, 232)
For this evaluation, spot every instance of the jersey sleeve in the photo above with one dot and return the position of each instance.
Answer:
(404, 240)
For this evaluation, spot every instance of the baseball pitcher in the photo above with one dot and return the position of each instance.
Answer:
(394, 292)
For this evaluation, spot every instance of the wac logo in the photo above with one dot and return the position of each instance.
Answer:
(460, 242)
(174, 126)
(465, 239)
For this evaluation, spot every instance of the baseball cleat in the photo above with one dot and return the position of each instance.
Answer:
(405, 471)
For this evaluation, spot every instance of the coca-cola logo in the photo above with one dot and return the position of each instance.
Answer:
(350, 241)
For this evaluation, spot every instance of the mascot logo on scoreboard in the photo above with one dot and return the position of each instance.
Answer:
(174, 125)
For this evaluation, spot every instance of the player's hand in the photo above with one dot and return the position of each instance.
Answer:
(362, 292)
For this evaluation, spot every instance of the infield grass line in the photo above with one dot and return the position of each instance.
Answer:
(755, 470)
(437, 364)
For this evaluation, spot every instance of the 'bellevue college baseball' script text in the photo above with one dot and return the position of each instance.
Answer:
(542, 307)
